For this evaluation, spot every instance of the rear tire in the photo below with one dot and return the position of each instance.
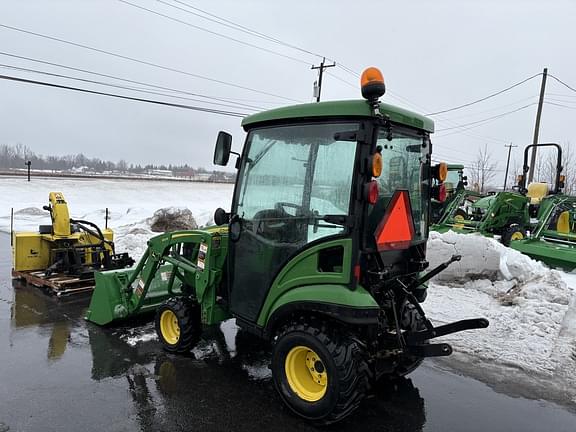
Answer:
(178, 324)
(320, 373)
(513, 232)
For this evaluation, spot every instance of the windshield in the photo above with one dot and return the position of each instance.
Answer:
(296, 175)
(404, 155)
(453, 179)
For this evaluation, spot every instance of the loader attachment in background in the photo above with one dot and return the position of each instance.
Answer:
(186, 263)
(554, 239)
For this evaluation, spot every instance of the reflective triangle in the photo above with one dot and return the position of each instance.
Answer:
(396, 230)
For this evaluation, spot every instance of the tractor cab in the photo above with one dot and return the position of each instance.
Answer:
(326, 192)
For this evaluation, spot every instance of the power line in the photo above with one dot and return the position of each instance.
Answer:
(486, 97)
(151, 101)
(21, 69)
(242, 105)
(235, 26)
(562, 82)
(212, 32)
(488, 118)
(559, 105)
(144, 62)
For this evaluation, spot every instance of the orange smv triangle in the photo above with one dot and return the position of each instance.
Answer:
(396, 230)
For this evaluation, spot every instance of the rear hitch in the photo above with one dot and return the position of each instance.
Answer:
(413, 338)
(429, 350)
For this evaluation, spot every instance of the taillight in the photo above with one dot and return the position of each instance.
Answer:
(371, 192)
(439, 192)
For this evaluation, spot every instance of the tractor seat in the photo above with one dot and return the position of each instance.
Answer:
(537, 191)
(563, 224)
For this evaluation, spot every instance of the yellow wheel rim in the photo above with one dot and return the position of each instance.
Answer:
(517, 236)
(169, 327)
(306, 373)
(459, 218)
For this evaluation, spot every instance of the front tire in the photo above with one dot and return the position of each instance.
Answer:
(513, 232)
(178, 324)
(319, 372)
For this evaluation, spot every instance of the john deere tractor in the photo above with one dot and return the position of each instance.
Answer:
(510, 215)
(322, 253)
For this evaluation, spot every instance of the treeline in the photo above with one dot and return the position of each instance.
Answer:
(15, 156)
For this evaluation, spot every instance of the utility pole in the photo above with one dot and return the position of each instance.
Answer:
(321, 72)
(507, 163)
(537, 126)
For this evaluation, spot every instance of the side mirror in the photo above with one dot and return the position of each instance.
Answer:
(221, 217)
(223, 147)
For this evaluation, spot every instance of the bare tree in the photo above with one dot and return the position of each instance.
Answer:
(483, 170)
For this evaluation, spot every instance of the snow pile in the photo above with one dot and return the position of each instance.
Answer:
(131, 204)
(531, 308)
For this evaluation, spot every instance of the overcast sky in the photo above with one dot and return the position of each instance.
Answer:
(434, 55)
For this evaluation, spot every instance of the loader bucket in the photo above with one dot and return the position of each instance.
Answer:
(113, 300)
(551, 251)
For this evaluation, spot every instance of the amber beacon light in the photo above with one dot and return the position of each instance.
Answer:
(372, 84)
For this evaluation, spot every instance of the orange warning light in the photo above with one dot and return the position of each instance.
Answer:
(396, 230)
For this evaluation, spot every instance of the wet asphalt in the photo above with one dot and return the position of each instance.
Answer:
(60, 373)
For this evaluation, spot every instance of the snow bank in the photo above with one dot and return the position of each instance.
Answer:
(531, 308)
(131, 204)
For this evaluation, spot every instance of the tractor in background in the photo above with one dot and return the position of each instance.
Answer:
(454, 187)
(509, 215)
(322, 254)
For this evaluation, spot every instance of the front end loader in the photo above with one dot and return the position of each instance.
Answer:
(322, 253)
(553, 241)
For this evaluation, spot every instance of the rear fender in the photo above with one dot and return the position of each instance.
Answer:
(355, 307)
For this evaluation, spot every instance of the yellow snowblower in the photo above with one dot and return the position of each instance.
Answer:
(63, 256)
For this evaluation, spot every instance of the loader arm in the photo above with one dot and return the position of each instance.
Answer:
(188, 263)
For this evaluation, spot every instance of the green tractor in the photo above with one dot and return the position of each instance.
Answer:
(454, 187)
(322, 253)
(509, 215)
(553, 240)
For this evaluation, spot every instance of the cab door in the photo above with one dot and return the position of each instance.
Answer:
(291, 177)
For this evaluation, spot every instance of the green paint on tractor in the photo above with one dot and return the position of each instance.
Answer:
(305, 257)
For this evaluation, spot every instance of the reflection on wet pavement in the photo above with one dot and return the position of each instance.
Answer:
(61, 373)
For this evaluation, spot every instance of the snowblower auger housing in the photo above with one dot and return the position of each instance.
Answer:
(64, 255)
(324, 252)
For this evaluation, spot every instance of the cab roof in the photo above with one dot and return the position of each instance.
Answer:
(348, 108)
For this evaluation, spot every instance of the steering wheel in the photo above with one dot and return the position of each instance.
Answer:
(281, 207)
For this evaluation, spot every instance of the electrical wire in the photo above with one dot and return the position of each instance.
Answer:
(240, 105)
(559, 105)
(144, 62)
(21, 69)
(151, 101)
(562, 82)
(212, 32)
(486, 97)
(488, 118)
(239, 27)
(235, 26)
